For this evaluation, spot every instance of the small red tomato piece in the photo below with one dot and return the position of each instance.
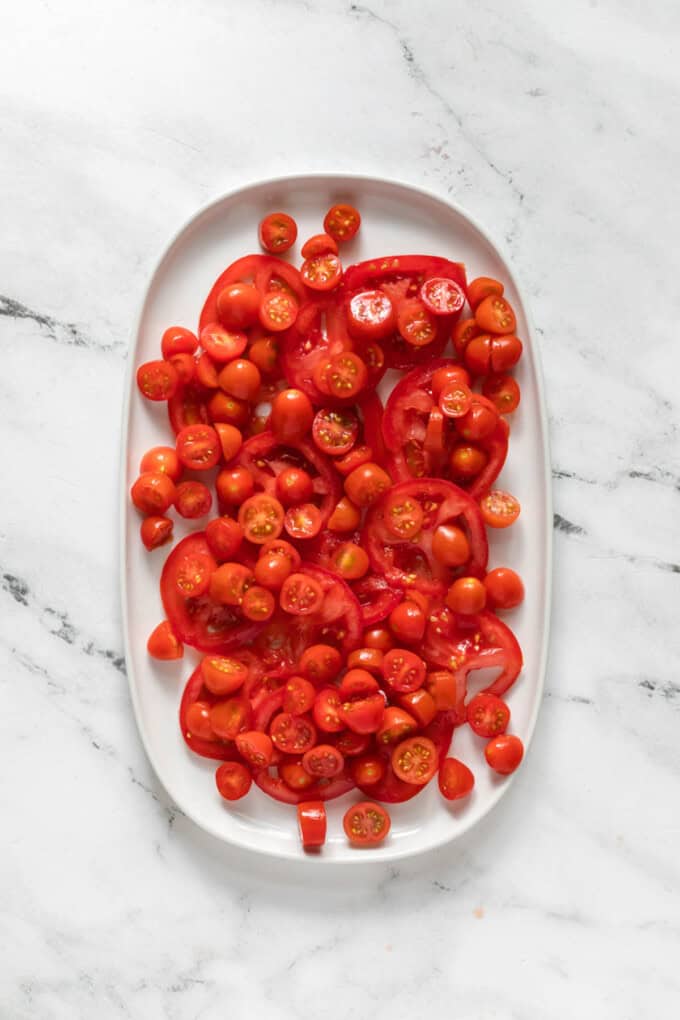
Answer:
(504, 753)
(455, 779)
(163, 644)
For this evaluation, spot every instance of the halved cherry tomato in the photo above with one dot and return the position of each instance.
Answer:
(264, 354)
(193, 574)
(483, 287)
(255, 747)
(163, 460)
(323, 761)
(156, 531)
(237, 305)
(351, 561)
(178, 340)
(197, 721)
(261, 517)
(404, 671)
(455, 399)
(420, 704)
(185, 367)
(363, 715)
(206, 371)
(223, 344)
(366, 484)
(356, 457)
(467, 595)
(467, 462)
(327, 709)
(258, 604)
(272, 570)
(342, 222)
(371, 315)
(277, 232)
(351, 744)
(278, 311)
(231, 717)
(487, 715)
(312, 824)
(319, 244)
(403, 516)
(450, 373)
(294, 485)
(396, 725)
(505, 352)
(193, 499)
(229, 583)
(368, 769)
(494, 315)
(346, 375)
(234, 485)
(233, 780)
(163, 644)
(293, 734)
(299, 696)
(380, 638)
(407, 622)
(240, 378)
(415, 760)
(450, 545)
(445, 690)
(153, 493)
(357, 683)
(282, 549)
(504, 753)
(322, 272)
(455, 779)
(335, 431)
(224, 536)
(231, 439)
(303, 521)
(366, 824)
(223, 408)
(442, 296)
(223, 675)
(294, 776)
(503, 392)
(320, 663)
(416, 324)
(199, 447)
(499, 509)
(157, 380)
(504, 588)
(292, 415)
(301, 595)
(479, 421)
(463, 333)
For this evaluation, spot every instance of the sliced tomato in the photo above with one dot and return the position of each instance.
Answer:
(499, 509)
(293, 734)
(464, 644)
(157, 380)
(222, 344)
(366, 824)
(415, 760)
(335, 430)
(376, 597)
(323, 761)
(393, 790)
(233, 780)
(312, 824)
(303, 521)
(278, 311)
(264, 271)
(321, 272)
(198, 447)
(403, 670)
(455, 779)
(194, 721)
(488, 715)
(188, 406)
(371, 315)
(442, 296)
(322, 789)
(342, 222)
(261, 517)
(301, 595)
(277, 232)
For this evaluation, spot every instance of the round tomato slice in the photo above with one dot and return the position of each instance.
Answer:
(293, 734)
(221, 344)
(233, 780)
(366, 824)
(323, 761)
(261, 518)
(157, 380)
(403, 671)
(499, 509)
(327, 710)
(278, 232)
(488, 715)
(199, 621)
(464, 644)
(322, 789)
(442, 296)
(416, 325)
(301, 595)
(342, 222)
(199, 447)
(415, 760)
(335, 431)
(303, 521)
(278, 311)
(346, 375)
(312, 824)
(322, 272)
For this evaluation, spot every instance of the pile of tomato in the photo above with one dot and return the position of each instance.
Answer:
(337, 583)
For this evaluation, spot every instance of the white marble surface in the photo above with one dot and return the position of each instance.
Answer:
(554, 124)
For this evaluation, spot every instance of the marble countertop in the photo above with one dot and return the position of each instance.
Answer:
(554, 125)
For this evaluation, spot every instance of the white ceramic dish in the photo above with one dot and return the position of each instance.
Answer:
(396, 219)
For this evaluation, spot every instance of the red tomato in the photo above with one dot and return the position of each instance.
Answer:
(467, 595)
(363, 715)
(463, 333)
(455, 400)
(323, 761)
(157, 380)
(223, 408)
(503, 392)
(479, 421)
(320, 663)
(319, 244)
(477, 355)
(455, 779)
(278, 311)
(322, 272)
(241, 379)
(230, 438)
(178, 340)
(272, 570)
(326, 711)
(366, 824)
(193, 500)
(450, 545)
(421, 705)
(233, 780)
(198, 721)
(356, 457)
(312, 824)
(380, 638)
(237, 305)
(284, 550)
(481, 288)
(345, 517)
(229, 583)
(371, 315)
(445, 375)
(504, 588)
(163, 644)
(358, 682)
(407, 621)
(294, 485)
(192, 577)
(351, 561)
(442, 296)
(222, 675)
(261, 517)
(199, 447)
(223, 344)
(278, 232)
(231, 717)
(467, 462)
(415, 760)
(255, 747)
(487, 715)
(342, 222)
(163, 460)
(303, 521)
(301, 595)
(396, 725)
(366, 484)
(368, 769)
(299, 696)
(346, 375)
(499, 509)
(156, 531)
(445, 691)
(505, 352)
(264, 355)
(234, 485)
(185, 367)
(292, 415)
(495, 315)
(352, 744)
(206, 372)
(224, 536)
(504, 753)
(403, 516)
(416, 325)
(335, 431)
(404, 671)
(153, 493)
(370, 659)
(295, 776)
(258, 604)
(293, 734)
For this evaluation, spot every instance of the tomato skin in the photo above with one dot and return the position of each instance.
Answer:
(222, 344)
(415, 760)
(206, 372)
(357, 683)
(271, 571)
(467, 595)
(370, 659)
(278, 311)
(231, 717)
(450, 545)
(319, 244)
(380, 638)
(153, 493)
(342, 222)
(198, 447)
(277, 232)
(495, 315)
(357, 457)
(499, 509)
(477, 355)
(156, 531)
(223, 408)
(504, 753)
(157, 380)
(294, 776)
(261, 517)
(193, 500)
(224, 536)
(366, 484)
(456, 781)
(234, 485)
(163, 460)
(407, 621)
(504, 588)
(258, 604)
(421, 705)
(467, 462)
(366, 824)
(229, 583)
(178, 340)
(503, 392)
(312, 824)
(371, 315)
(368, 769)
(396, 725)
(293, 734)
(292, 415)
(487, 715)
(294, 485)
(231, 439)
(327, 709)
(323, 761)
(222, 675)
(403, 671)
(505, 352)
(233, 780)
(320, 663)
(463, 333)
(185, 367)
(483, 287)
(479, 421)
(240, 378)
(198, 721)
(237, 305)
(445, 375)
(163, 644)
(322, 272)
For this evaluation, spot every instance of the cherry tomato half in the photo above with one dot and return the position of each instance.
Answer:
(415, 760)
(342, 222)
(233, 780)
(299, 696)
(366, 484)
(504, 753)
(320, 663)
(322, 272)
(303, 521)
(442, 296)
(301, 595)
(319, 244)
(277, 232)
(157, 380)
(504, 588)
(178, 340)
(163, 644)
(403, 516)
(487, 715)
(198, 447)
(240, 378)
(366, 824)
(416, 324)
(222, 675)
(503, 392)
(467, 595)
(455, 779)
(292, 415)
(278, 311)
(323, 761)
(327, 709)
(371, 315)
(450, 545)
(258, 604)
(404, 671)
(495, 315)
(499, 509)
(483, 287)
(153, 493)
(224, 536)
(193, 500)
(261, 517)
(294, 485)
(156, 531)
(162, 459)
(335, 431)
(293, 734)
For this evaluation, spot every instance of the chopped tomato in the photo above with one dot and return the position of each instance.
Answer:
(324, 760)
(342, 222)
(319, 244)
(261, 517)
(455, 779)
(312, 824)
(321, 272)
(301, 595)
(488, 715)
(366, 824)
(293, 734)
(504, 753)
(222, 344)
(415, 760)
(278, 311)
(499, 509)
(192, 500)
(504, 588)
(278, 233)
(157, 380)
(163, 643)
(156, 531)
(335, 431)
(442, 296)
(233, 780)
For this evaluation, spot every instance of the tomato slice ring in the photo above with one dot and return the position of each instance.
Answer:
(262, 270)
(478, 642)
(194, 691)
